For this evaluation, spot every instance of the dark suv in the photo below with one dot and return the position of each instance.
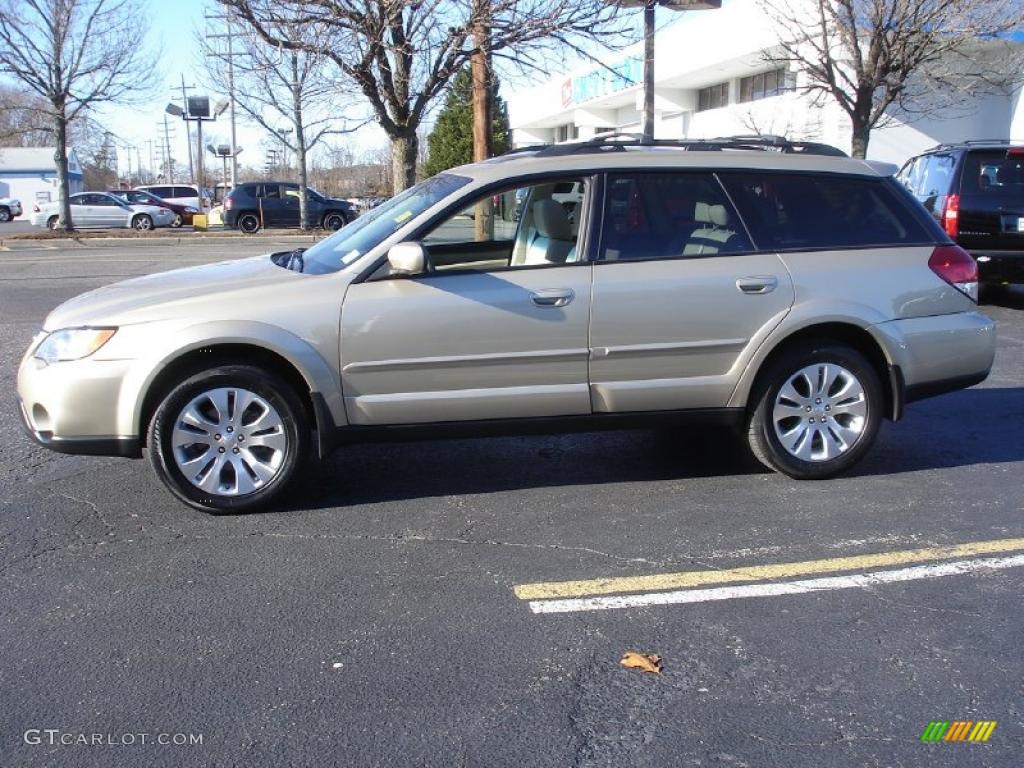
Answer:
(254, 205)
(975, 190)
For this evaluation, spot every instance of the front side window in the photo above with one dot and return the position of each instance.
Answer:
(668, 216)
(354, 240)
(818, 212)
(523, 226)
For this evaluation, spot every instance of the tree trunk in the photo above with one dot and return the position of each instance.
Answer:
(300, 142)
(60, 157)
(861, 136)
(403, 161)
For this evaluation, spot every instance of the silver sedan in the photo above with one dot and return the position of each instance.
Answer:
(104, 211)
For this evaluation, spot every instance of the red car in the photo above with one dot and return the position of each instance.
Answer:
(182, 213)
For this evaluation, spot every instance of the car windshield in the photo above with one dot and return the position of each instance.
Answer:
(354, 240)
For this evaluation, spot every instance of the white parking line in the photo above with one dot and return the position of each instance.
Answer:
(802, 586)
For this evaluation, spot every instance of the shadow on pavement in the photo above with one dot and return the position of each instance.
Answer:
(974, 426)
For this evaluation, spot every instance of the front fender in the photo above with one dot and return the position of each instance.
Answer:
(320, 376)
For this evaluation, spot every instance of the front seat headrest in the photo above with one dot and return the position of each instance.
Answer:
(551, 220)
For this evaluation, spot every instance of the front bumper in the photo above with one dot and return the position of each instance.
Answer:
(72, 407)
(1000, 266)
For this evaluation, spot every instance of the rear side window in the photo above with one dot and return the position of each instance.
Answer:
(184, 192)
(996, 174)
(818, 212)
(667, 216)
(162, 191)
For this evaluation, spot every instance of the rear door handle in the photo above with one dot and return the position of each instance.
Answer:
(552, 297)
(755, 285)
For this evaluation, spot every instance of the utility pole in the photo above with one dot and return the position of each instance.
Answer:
(229, 36)
(482, 107)
(188, 134)
(648, 124)
(167, 148)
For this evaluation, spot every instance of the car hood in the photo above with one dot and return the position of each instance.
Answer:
(202, 291)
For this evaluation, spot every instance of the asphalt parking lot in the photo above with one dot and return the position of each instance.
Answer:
(411, 604)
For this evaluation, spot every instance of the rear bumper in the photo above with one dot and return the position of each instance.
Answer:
(941, 353)
(1000, 266)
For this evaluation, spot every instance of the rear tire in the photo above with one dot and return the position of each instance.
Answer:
(229, 439)
(249, 223)
(816, 411)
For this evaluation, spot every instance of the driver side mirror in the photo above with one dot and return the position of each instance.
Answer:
(407, 259)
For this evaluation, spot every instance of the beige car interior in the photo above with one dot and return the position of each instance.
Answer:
(712, 234)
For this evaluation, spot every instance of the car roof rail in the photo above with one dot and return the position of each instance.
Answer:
(620, 142)
(972, 143)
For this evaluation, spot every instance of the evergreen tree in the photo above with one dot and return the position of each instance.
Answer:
(450, 143)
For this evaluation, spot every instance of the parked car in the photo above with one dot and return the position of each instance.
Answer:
(254, 205)
(182, 213)
(180, 194)
(975, 190)
(10, 208)
(800, 299)
(105, 211)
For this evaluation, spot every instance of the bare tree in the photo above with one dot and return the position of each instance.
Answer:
(876, 58)
(75, 54)
(289, 91)
(400, 54)
(23, 118)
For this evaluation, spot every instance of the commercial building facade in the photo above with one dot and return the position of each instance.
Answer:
(713, 77)
(30, 175)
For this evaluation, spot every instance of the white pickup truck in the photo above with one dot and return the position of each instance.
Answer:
(9, 208)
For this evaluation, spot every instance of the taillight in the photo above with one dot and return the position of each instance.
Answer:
(955, 265)
(951, 215)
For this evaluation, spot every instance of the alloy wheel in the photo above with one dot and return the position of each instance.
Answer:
(820, 412)
(229, 441)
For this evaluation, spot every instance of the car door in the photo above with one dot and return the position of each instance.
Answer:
(85, 211)
(108, 212)
(289, 205)
(475, 337)
(681, 296)
(271, 205)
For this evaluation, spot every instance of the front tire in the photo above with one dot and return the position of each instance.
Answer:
(817, 410)
(143, 222)
(229, 439)
(176, 222)
(52, 223)
(334, 221)
(5, 215)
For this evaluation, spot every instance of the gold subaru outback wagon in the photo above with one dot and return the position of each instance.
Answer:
(795, 295)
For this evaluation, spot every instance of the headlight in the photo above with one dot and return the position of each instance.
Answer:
(190, 209)
(72, 344)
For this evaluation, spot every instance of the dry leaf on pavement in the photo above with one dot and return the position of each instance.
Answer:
(647, 662)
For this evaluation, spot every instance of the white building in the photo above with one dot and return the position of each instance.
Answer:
(30, 175)
(712, 79)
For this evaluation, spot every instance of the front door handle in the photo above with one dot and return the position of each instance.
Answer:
(757, 285)
(552, 297)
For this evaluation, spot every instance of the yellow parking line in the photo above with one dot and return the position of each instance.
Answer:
(653, 582)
